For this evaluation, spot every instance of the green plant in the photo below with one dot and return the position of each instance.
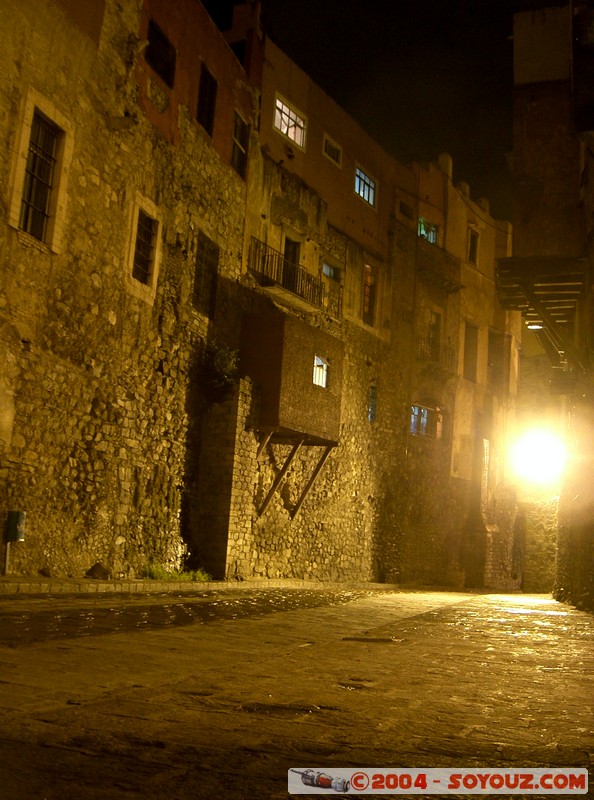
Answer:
(157, 572)
(220, 370)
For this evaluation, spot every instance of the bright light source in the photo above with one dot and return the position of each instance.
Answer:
(539, 457)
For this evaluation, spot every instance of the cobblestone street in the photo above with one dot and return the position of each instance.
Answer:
(217, 695)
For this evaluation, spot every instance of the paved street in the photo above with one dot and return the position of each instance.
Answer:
(216, 695)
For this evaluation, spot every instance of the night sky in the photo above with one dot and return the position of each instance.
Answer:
(421, 76)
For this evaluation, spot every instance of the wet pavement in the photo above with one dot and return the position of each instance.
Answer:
(217, 695)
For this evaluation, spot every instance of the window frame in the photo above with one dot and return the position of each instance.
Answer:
(429, 231)
(206, 268)
(320, 371)
(369, 184)
(335, 146)
(472, 248)
(207, 99)
(144, 291)
(293, 113)
(239, 149)
(426, 421)
(34, 102)
(162, 63)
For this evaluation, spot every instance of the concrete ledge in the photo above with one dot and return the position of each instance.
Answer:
(11, 585)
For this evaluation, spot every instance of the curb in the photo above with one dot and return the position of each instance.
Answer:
(24, 585)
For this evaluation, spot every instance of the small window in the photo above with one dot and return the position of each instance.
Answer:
(369, 292)
(365, 186)
(332, 272)
(473, 241)
(427, 230)
(144, 249)
(426, 421)
(39, 177)
(470, 351)
(240, 145)
(160, 54)
(207, 98)
(320, 372)
(372, 403)
(406, 210)
(205, 275)
(332, 151)
(289, 122)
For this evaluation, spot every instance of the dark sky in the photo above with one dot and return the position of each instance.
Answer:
(421, 76)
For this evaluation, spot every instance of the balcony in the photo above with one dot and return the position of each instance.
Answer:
(272, 269)
(438, 361)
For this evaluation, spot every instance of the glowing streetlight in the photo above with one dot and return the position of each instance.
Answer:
(538, 457)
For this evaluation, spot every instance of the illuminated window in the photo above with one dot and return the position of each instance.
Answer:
(320, 372)
(332, 272)
(369, 291)
(365, 186)
(427, 230)
(289, 122)
(332, 150)
(473, 240)
(426, 421)
(160, 54)
(240, 145)
(207, 98)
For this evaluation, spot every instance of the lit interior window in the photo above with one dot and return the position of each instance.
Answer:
(320, 372)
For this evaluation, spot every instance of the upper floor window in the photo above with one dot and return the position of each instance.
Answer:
(160, 54)
(290, 122)
(205, 275)
(428, 230)
(426, 421)
(144, 253)
(330, 271)
(320, 371)
(470, 351)
(207, 98)
(365, 186)
(39, 177)
(43, 153)
(240, 145)
(369, 292)
(332, 150)
(473, 242)
(372, 403)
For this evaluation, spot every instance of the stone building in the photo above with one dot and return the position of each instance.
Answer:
(235, 332)
(549, 277)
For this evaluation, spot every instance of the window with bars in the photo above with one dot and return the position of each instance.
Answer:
(144, 249)
(365, 186)
(205, 275)
(39, 177)
(207, 98)
(320, 372)
(372, 403)
(332, 150)
(240, 145)
(289, 122)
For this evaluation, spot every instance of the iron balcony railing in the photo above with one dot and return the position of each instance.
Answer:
(271, 266)
(430, 350)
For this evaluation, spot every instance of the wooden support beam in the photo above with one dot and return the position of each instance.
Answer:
(280, 477)
(312, 480)
(263, 444)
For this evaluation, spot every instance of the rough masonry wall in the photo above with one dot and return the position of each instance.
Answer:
(97, 395)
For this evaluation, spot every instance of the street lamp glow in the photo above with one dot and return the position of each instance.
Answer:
(539, 457)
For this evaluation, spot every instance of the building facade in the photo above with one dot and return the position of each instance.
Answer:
(236, 333)
(549, 277)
